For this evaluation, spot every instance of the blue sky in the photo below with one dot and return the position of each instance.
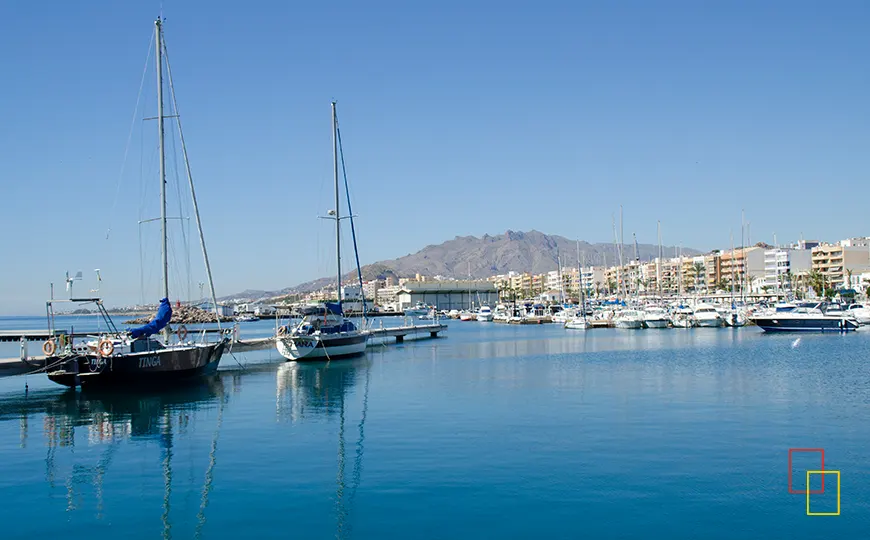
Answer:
(458, 118)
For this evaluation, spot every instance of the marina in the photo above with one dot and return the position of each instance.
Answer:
(435, 271)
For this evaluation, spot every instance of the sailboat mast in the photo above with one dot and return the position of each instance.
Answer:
(337, 205)
(659, 261)
(158, 40)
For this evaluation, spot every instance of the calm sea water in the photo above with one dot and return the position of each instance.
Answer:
(494, 432)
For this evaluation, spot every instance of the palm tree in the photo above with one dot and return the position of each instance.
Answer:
(816, 280)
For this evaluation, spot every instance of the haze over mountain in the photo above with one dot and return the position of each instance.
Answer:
(518, 251)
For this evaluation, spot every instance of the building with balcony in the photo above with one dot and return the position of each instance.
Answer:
(781, 265)
(836, 262)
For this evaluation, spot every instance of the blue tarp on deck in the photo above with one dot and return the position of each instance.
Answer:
(164, 314)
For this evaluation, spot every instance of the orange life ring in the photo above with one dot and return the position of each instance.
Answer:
(49, 347)
(106, 347)
(182, 332)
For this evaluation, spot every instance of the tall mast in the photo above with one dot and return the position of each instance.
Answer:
(659, 261)
(158, 40)
(618, 256)
(337, 205)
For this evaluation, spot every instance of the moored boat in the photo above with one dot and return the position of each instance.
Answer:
(116, 359)
(804, 318)
(328, 334)
(484, 314)
(629, 319)
(655, 317)
(706, 316)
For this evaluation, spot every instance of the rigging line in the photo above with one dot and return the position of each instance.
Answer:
(184, 240)
(130, 136)
(350, 213)
(192, 191)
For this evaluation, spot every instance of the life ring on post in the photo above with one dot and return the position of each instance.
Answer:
(106, 347)
(182, 333)
(49, 347)
(282, 331)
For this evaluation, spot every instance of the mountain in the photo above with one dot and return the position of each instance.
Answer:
(518, 251)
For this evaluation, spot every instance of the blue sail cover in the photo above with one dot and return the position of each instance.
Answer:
(164, 314)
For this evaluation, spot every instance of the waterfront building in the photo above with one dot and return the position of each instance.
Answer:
(448, 294)
(744, 265)
(386, 295)
(781, 265)
(552, 280)
(837, 261)
(370, 288)
(592, 279)
(712, 270)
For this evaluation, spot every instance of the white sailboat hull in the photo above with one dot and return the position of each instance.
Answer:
(577, 324)
(657, 323)
(322, 347)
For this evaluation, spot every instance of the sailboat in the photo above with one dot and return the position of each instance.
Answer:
(579, 320)
(326, 334)
(133, 357)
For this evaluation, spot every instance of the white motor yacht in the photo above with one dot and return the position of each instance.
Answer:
(629, 318)
(683, 317)
(805, 318)
(484, 314)
(861, 312)
(419, 309)
(656, 317)
(706, 316)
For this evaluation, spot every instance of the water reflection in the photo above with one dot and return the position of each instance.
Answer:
(322, 389)
(78, 418)
(317, 388)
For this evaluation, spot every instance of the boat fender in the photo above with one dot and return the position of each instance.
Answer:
(182, 332)
(49, 347)
(282, 331)
(106, 347)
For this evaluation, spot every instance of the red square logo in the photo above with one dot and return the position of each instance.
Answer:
(821, 468)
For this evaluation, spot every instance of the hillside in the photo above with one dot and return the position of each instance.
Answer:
(483, 257)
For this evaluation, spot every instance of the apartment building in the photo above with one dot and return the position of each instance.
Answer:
(782, 265)
(837, 261)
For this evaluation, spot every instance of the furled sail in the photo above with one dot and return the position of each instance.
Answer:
(164, 314)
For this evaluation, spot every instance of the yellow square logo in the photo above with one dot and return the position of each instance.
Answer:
(810, 513)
